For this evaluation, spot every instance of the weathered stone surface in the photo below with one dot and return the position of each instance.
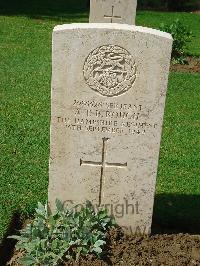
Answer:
(113, 11)
(109, 85)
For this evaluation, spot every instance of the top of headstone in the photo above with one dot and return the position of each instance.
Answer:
(113, 11)
(114, 26)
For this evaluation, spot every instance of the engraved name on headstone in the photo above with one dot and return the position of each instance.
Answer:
(109, 84)
(113, 11)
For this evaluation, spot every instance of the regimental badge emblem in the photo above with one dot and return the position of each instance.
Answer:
(110, 70)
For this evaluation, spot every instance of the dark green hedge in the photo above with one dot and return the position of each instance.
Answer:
(173, 5)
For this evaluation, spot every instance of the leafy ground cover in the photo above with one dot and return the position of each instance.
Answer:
(162, 249)
(25, 71)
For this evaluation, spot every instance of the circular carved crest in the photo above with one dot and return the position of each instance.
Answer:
(110, 70)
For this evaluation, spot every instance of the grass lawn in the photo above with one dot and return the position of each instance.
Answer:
(25, 71)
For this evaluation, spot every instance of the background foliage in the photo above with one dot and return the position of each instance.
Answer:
(181, 37)
(172, 5)
(79, 5)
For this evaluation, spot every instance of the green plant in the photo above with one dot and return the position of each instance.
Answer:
(181, 35)
(53, 238)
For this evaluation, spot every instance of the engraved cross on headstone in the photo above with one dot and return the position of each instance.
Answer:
(123, 11)
(112, 16)
(103, 164)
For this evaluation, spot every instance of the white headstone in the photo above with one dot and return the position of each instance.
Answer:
(113, 11)
(109, 85)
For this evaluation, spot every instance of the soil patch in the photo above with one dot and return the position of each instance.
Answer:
(193, 66)
(176, 249)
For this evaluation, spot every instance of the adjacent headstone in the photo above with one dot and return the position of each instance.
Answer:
(113, 11)
(108, 95)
